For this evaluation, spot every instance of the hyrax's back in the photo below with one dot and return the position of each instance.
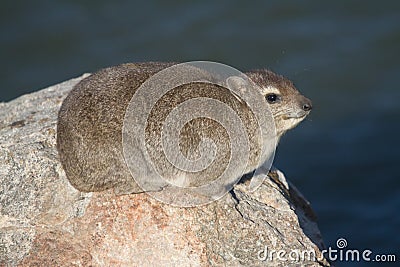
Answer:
(89, 127)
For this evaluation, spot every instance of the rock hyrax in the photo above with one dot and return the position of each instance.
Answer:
(89, 131)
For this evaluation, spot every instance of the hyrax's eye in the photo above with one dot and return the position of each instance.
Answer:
(272, 98)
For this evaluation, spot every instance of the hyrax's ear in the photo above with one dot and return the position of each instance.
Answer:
(236, 83)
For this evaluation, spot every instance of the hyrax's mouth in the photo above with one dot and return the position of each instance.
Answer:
(289, 121)
(296, 115)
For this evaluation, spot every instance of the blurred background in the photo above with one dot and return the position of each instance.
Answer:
(342, 55)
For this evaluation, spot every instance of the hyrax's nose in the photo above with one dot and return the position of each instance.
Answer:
(306, 104)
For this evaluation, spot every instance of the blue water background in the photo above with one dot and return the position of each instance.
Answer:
(344, 55)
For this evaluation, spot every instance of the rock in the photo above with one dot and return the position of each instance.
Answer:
(45, 221)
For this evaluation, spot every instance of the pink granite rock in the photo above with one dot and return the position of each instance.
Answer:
(44, 221)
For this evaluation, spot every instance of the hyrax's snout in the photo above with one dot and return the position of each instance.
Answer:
(306, 104)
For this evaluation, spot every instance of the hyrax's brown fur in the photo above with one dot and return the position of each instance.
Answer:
(89, 131)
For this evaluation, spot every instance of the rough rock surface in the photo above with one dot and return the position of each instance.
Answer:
(45, 221)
